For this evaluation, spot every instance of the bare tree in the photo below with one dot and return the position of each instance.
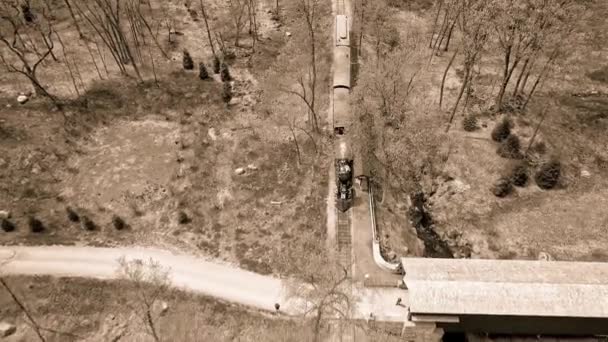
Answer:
(473, 22)
(74, 19)
(20, 58)
(151, 281)
(517, 31)
(319, 280)
(104, 16)
(237, 14)
(23, 308)
(207, 27)
(309, 9)
(445, 74)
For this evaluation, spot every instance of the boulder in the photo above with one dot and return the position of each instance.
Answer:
(544, 256)
(391, 256)
(585, 174)
(164, 307)
(7, 329)
(22, 99)
(239, 171)
(5, 214)
(288, 34)
(252, 167)
(476, 250)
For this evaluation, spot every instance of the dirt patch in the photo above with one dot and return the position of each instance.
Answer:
(123, 160)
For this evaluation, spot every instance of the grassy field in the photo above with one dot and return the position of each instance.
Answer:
(164, 157)
(567, 222)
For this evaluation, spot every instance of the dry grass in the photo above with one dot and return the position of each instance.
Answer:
(90, 310)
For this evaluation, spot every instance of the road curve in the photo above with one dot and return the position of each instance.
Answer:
(190, 273)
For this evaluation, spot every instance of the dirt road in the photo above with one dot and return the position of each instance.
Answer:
(211, 278)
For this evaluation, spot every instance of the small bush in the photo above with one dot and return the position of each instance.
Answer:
(216, 65)
(503, 187)
(502, 130)
(225, 73)
(469, 123)
(510, 148)
(118, 222)
(539, 147)
(36, 226)
(187, 61)
(227, 92)
(392, 38)
(182, 218)
(202, 72)
(519, 174)
(8, 226)
(72, 215)
(88, 224)
(548, 175)
(28, 16)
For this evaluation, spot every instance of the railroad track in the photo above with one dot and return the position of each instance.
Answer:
(344, 239)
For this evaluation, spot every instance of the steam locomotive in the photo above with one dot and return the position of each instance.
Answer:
(341, 115)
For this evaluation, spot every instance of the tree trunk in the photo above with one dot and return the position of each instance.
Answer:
(150, 322)
(507, 72)
(362, 30)
(520, 77)
(445, 73)
(462, 88)
(540, 76)
(536, 131)
(207, 27)
(440, 35)
(295, 141)
(313, 88)
(447, 42)
(435, 23)
(71, 10)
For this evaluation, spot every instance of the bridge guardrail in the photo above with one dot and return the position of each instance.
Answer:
(378, 258)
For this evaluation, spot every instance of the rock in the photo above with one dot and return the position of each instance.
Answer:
(239, 171)
(7, 329)
(288, 34)
(454, 234)
(476, 249)
(22, 99)
(164, 307)
(36, 169)
(252, 167)
(5, 214)
(585, 174)
(391, 256)
(406, 250)
(544, 256)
